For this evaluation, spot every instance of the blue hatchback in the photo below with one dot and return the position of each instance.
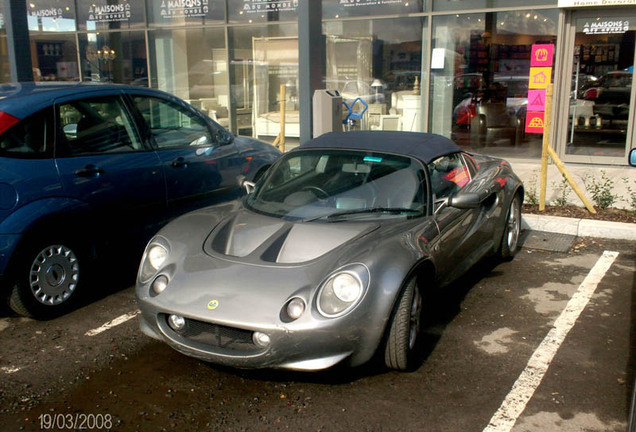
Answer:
(89, 172)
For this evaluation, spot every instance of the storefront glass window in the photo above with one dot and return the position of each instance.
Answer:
(54, 57)
(5, 73)
(110, 14)
(601, 89)
(184, 12)
(116, 57)
(51, 15)
(261, 60)
(191, 64)
(359, 8)
(262, 11)
(480, 67)
(453, 5)
(376, 65)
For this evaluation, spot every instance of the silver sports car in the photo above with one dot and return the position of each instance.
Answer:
(331, 256)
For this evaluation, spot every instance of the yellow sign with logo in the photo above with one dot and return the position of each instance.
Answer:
(540, 77)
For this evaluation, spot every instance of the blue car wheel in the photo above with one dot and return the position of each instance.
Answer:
(47, 280)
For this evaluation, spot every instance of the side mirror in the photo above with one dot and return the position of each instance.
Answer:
(632, 157)
(224, 137)
(244, 183)
(468, 200)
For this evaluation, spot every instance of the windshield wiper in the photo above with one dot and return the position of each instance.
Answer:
(386, 210)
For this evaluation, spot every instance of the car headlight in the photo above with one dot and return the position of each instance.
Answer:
(343, 290)
(155, 257)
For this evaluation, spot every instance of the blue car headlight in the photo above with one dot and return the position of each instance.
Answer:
(154, 258)
(342, 290)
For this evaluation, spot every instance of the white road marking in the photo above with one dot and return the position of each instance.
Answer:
(525, 386)
(10, 369)
(110, 324)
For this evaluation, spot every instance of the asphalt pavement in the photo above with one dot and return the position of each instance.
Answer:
(545, 342)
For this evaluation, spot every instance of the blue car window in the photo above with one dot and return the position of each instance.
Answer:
(171, 125)
(29, 138)
(93, 126)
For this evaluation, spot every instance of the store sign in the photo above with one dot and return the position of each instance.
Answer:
(586, 3)
(541, 61)
(542, 55)
(52, 12)
(184, 8)
(370, 3)
(606, 27)
(539, 77)
(108, 13)
(536, 100)
(265, 6)
(534, 122)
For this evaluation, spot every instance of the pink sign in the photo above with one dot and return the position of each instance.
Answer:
(536, 100)
(542, 55)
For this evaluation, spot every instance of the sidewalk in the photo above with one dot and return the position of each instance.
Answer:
(579, 227)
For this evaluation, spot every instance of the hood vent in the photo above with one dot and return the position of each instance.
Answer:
(263, 239)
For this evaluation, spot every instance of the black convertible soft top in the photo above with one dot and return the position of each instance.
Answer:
(423, 146)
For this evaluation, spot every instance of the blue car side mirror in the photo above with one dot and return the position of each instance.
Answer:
(632, 157)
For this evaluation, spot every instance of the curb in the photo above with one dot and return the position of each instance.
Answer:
(579, 227)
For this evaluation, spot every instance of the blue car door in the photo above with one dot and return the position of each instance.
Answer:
(104, 163)
(199, 168)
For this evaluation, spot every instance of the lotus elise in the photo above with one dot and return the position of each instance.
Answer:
(332, 255)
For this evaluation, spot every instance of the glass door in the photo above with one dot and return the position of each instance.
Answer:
(600, 91)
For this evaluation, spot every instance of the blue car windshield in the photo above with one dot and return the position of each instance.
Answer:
(341, 184)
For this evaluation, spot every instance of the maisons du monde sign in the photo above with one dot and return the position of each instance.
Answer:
(586, 3)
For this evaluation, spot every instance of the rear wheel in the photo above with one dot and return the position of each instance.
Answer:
(47, 280)
(405, 329)
(512, 230)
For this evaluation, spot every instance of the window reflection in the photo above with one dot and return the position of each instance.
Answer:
(261, 59)
(480, 67)
(117, 57)
(191, 64)
(376, 66)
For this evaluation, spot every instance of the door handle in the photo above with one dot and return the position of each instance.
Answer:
(89, 171)
(179, 163)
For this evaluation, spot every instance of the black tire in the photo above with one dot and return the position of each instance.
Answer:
(47, 280)
(405, 329)
(512, 231)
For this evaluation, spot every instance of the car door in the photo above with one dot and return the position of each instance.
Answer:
(200, 164)
(103, 162)
(462, 238)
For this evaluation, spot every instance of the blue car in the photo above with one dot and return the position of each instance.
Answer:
(89, 172)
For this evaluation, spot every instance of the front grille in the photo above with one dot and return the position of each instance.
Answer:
(207, 335)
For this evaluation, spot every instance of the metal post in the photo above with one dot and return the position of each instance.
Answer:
(18, 44)
(311, 61)
(546, 143)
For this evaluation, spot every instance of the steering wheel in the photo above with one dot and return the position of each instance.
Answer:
(320, 194)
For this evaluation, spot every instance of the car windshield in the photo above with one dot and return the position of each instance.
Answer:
(335, 185)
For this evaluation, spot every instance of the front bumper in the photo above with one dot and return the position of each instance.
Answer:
(317, 347)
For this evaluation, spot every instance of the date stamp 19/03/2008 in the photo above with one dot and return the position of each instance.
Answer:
(77, 421)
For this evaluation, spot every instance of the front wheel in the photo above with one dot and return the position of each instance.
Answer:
(404, 333)
(512, 230)
(47, 281)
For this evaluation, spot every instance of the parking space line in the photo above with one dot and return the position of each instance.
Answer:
(522, 390)
(110, 324)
